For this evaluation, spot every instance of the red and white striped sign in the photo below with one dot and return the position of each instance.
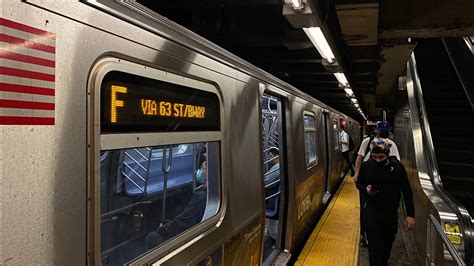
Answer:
(27, 74)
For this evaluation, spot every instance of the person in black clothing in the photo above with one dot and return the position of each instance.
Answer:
(382, 180)
(191, 215)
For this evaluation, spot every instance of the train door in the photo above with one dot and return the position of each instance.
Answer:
(274, 148)
(336, 154)
(343, 123)
(327, 149)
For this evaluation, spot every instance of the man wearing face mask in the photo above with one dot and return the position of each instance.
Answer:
(191, 215)
(382, 180)
(382, 129)
(273, 173)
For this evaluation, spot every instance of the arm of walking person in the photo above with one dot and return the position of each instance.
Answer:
(357, 167)
(360, 156)
(361, 182)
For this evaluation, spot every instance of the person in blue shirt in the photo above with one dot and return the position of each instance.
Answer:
(273, 173)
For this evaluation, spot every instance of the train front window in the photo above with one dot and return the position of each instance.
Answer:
(310, 139)
(150, 195)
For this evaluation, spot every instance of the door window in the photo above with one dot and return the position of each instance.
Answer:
(310, 139)
(150, 195)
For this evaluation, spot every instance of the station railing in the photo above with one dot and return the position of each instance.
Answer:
(451, 213)
(434, 234)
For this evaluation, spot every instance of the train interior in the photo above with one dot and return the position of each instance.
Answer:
(144, 188)
(327, 166)
(273, 165)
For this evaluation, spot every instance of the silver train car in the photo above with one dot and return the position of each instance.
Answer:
(127, 139)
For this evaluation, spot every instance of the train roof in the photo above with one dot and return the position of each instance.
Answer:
(149, 20)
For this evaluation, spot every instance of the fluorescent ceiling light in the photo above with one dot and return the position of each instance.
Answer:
(354, 100)
(319, 41)
(349, 92)
(296, 4)
(341, 78)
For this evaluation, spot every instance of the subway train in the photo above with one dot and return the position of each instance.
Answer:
(128, 139)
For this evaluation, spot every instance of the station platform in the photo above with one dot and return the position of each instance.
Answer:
(336, 238)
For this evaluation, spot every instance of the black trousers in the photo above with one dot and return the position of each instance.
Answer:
(345, 155)
(381, 238)
(361, 213)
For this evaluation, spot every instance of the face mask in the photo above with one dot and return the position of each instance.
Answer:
(381, 163)
(199, 175)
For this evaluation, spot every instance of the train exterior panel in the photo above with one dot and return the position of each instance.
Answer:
(56, 177)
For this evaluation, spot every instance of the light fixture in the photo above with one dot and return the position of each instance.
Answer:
(356, 104)
(349, 92)
(354, 100)
(297, 4)
(316, 36)
(341, 78)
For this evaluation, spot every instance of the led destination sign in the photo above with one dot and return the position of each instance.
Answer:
(133, 103)
(157, 108)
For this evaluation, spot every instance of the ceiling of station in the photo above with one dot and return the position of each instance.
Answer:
(370, 39)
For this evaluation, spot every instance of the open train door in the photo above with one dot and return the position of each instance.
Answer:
(274, 174)
(327, 159)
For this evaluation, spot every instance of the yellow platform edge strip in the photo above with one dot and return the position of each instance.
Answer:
(327, 239)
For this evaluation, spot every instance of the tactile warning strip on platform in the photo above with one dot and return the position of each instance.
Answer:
(335, 240)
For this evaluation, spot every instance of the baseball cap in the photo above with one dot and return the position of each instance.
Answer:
(383, 126)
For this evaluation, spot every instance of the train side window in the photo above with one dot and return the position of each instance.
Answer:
(310, 139)
(147, 199)
(337, 139)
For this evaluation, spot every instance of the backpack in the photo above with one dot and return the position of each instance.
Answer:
(351, 144)
(367, 149)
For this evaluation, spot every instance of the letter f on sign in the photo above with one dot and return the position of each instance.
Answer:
(116, 103)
